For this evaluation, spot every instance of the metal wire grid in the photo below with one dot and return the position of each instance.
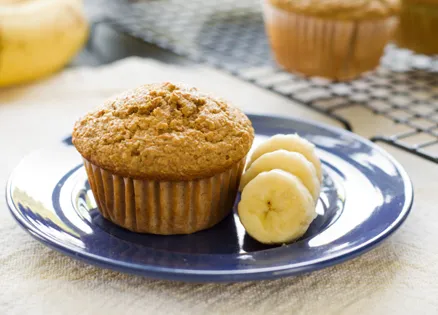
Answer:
(230, 35)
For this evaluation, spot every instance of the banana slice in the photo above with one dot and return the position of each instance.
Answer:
(276, 207)
(293, 143)
(291, 162)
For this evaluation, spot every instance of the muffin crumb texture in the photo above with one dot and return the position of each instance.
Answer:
(341, 9)
(164, 131)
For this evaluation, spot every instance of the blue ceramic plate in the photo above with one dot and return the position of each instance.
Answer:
(366, 196)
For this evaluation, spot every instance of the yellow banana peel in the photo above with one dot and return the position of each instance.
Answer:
(39, 37)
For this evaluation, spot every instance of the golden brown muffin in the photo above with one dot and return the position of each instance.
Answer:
(164, 131)
(337, 39)
(164, 158)
(418, 26)
(341, 9)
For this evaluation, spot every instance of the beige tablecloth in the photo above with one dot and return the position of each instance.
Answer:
(399, 277)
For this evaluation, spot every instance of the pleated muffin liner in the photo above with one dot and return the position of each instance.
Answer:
(418, 27)
(339, 50)
(164, 207)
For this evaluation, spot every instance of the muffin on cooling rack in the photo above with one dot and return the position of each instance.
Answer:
(164, 158)
(418, 29)
(337, 39)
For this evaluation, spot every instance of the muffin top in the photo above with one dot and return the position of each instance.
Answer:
(341, 9)
(425, 2)
(164, 132)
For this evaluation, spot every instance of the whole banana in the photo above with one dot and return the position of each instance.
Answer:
(38, 37)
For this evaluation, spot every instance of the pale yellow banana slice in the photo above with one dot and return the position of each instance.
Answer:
(276, 207)
(291, 162)
(293, 143)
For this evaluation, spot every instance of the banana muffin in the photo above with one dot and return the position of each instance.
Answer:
(337, 39)
(418, 26)
(164, 158)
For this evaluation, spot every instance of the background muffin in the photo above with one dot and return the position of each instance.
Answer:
(418, 29)
(338, 39)
(164, 158)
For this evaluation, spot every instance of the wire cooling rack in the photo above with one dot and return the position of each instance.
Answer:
(229, 35)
